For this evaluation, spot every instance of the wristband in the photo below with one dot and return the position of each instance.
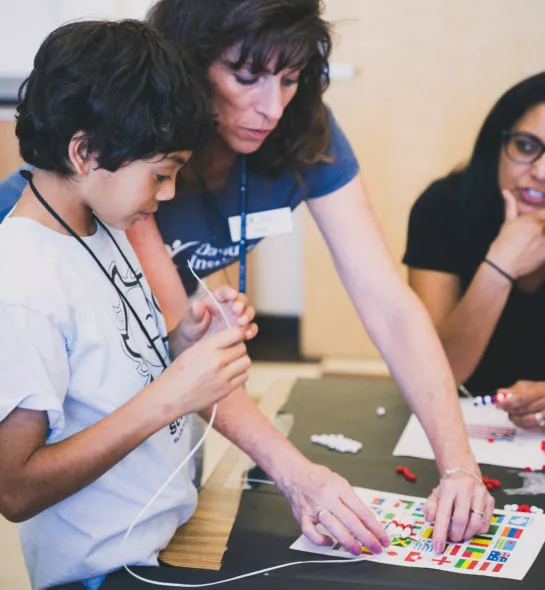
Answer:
(500, 270)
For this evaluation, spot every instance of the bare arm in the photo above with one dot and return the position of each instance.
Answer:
(402, 330)
(34, 476)
(464, 324)
(394, 317)
(160, 271)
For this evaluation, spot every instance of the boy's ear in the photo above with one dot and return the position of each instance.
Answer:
(80, 159)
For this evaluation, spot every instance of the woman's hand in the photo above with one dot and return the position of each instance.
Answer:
(460, 507)
(526, 404)
(203, 318)
(319, 496)
(519, 248)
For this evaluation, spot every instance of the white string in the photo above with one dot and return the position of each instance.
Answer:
(194, 449)
(249, 574)
(182, 464)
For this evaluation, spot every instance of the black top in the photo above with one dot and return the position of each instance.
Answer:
(439, 238)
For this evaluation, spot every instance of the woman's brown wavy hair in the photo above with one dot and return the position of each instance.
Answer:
(291, 31)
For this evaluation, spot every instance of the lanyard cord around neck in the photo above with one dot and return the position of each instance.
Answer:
(28, 176)
(242, 242)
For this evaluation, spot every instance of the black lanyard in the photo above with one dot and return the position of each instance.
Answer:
(242, 242)
(28, 176)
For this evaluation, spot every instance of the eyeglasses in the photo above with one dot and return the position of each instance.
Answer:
(524, 148)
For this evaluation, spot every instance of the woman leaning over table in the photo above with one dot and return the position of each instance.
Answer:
(266, 63)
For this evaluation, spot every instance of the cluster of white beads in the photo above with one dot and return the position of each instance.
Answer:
(337, 442)
(396, 529)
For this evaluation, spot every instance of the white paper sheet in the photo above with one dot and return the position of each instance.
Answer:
(523, 450)
(508, 550)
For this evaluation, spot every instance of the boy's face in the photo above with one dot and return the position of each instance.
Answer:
(133, 192)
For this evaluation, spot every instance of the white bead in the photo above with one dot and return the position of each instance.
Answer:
(381, 411)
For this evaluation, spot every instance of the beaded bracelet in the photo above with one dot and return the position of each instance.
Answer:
(500, 270)
(456, 470)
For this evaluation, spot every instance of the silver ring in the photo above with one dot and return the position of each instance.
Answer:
(319, 513)
(480, 513)
(540, 419)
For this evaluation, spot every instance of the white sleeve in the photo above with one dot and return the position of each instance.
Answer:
(34, 369)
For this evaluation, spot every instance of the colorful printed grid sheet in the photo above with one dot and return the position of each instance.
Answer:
(507, 550)
(494, 439)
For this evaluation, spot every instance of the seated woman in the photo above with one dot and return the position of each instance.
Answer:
(476, 256)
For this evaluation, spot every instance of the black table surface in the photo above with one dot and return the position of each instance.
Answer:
(265, 528)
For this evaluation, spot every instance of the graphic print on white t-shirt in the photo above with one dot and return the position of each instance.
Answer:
(85, 357)
(129, 284)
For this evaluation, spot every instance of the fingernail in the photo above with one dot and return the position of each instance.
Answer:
(439, 547)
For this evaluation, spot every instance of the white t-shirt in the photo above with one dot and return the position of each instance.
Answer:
(70, 347)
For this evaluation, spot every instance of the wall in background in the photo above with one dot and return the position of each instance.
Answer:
(25, 23)
(428, 72)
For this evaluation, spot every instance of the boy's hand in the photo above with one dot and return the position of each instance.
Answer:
(204, 319)
(206, 372)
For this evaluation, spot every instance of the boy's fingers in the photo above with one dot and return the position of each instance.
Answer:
(227, 337)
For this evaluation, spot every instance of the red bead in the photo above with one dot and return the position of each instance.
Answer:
(406, 472)
(491, 440)
(528, 469)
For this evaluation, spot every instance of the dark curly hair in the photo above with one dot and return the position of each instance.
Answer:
(291, 31)
(123, 85)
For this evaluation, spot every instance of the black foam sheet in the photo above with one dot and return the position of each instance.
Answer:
(265, 528)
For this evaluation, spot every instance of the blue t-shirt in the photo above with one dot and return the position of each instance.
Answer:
(195, 226)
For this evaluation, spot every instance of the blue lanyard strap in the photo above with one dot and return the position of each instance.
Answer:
(242, 242)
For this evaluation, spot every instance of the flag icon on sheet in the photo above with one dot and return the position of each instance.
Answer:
(474, 552)
(466, 564)
(480, 541)
(505, 544)
(511, 532)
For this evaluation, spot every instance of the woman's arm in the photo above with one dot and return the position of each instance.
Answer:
(402, 330)
(464, 324)
(160, 271)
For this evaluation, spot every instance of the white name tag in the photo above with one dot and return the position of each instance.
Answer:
(263, 223)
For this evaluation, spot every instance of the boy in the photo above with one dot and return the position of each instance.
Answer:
(90, 421)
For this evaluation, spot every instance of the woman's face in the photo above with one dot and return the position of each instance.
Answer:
(524, 179)
(249, 106)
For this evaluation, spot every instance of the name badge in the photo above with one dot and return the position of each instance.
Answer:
(263, 223)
